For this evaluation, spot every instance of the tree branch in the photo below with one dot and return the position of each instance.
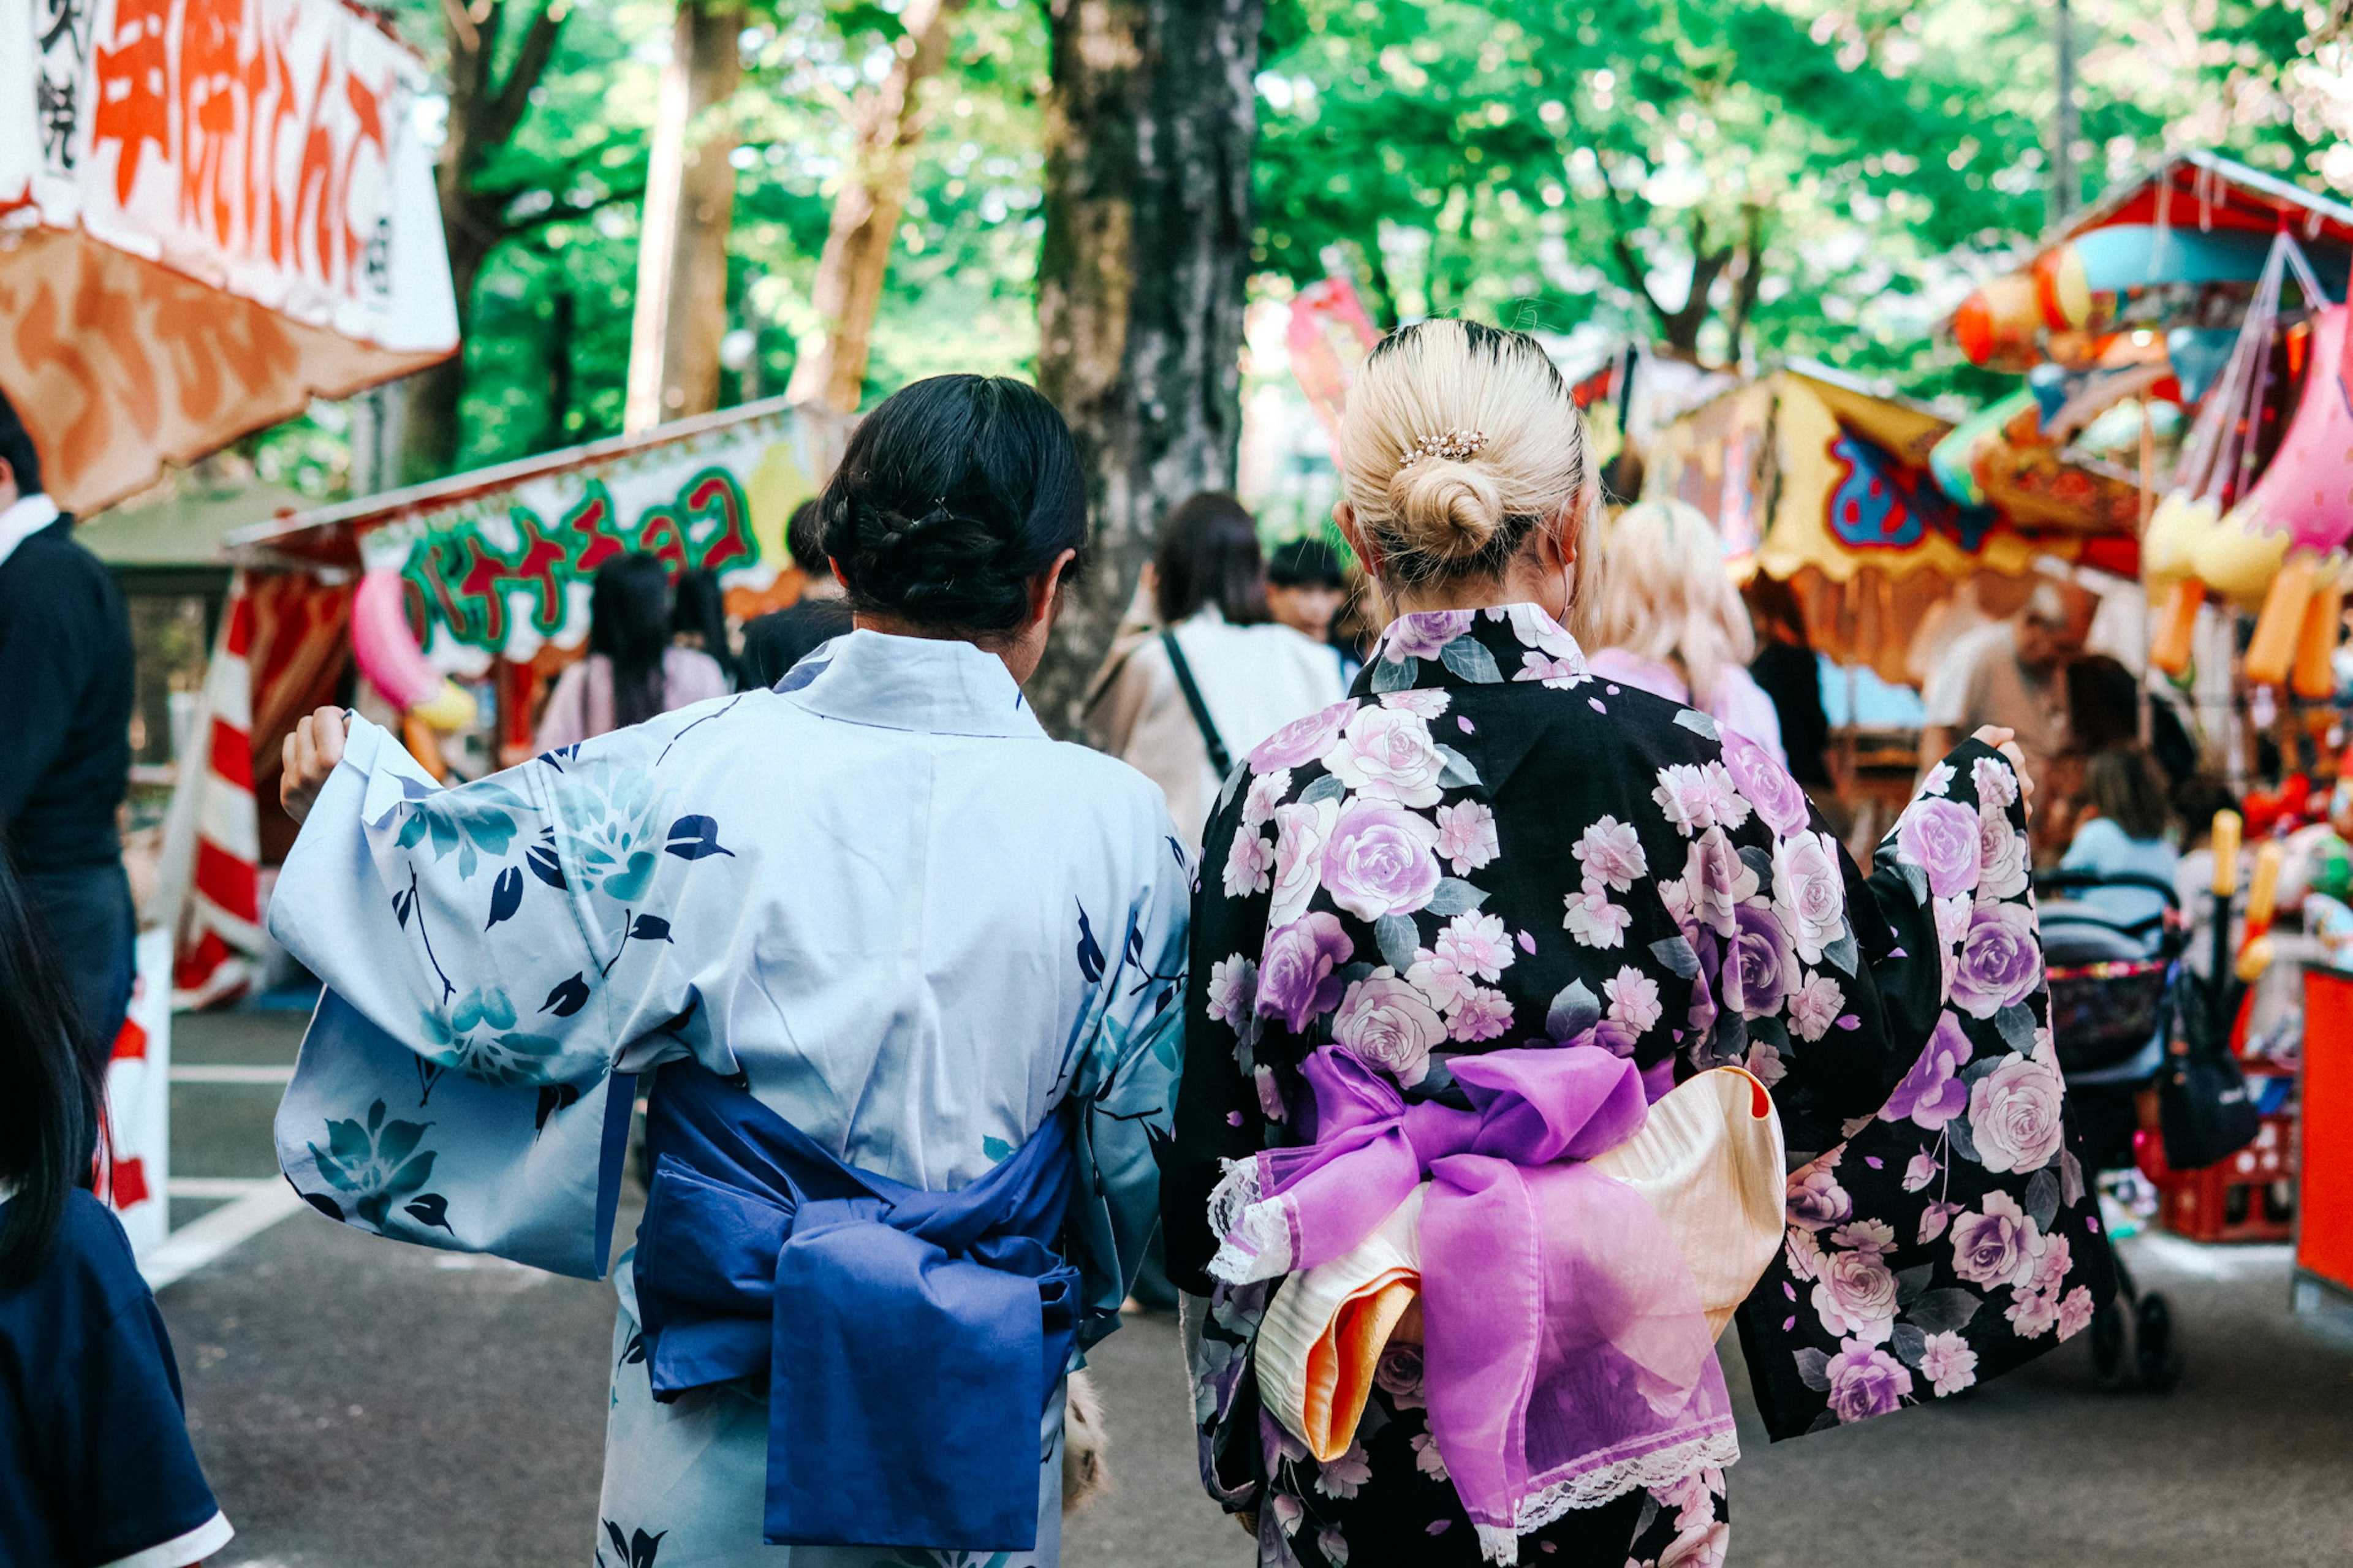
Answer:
(513, 98)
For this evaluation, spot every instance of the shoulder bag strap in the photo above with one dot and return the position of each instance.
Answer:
(1222, 762)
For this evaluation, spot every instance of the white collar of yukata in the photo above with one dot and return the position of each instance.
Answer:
(934, 685)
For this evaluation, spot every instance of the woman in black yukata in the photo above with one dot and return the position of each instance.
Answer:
(1488, 875)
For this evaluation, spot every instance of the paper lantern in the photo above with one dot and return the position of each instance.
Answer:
(2304, 501)
(2076, 284)
(1998, 321)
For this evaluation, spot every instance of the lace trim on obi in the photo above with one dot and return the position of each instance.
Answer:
(1254, 1233)
(1591, 1488)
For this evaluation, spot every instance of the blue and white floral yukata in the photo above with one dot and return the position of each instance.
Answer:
(880, 899)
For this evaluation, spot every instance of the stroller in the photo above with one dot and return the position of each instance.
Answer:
(2112, 985)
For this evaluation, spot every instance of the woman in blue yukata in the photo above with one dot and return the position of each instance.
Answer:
(1537, 1031)
(902, 976)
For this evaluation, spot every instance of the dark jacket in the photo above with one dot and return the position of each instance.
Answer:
(65, 703)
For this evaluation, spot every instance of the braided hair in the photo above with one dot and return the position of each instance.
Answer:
(955, 493)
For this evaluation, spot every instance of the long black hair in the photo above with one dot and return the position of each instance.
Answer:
(702, 611)
(953, 494)
(1209, 555)
(50, 1090)
(629, 623)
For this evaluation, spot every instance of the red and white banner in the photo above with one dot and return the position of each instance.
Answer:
(139, 1100)
(215, 209)
(212, 838)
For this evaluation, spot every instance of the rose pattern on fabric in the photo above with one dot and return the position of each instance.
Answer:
(1704, 917)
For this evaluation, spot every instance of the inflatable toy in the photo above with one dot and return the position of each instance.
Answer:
(388, 656)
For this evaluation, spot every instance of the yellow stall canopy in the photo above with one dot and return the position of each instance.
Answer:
(1816, 480)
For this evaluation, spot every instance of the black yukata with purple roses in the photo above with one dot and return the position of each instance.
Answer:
(1486, 846)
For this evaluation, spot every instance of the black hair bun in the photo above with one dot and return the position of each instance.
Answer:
(953, 495)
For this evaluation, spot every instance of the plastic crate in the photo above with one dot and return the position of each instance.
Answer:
(2248, 1196)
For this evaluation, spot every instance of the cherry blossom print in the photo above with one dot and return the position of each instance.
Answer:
(1533, 628)
(1385, 1023)
(1875, 1236)
(1610, 853)
(1815, 1006)
(1426, 1457)
(1855, 1297)
(1466, 836)
(1297, 983)
(1810, 893)
(1424, 634)
(1249, 860)
(1694, 796)
(2001, 960)
(1865, 1380)
(1343, 1476)
(2076, 1312)
(1633, 998)
(1766, 784)
(1385, 753)
(2033, 1314)
(1940, 836)
(1441, 980)
(1996, 783)
(1932, 1093)
(2014, 1112)
(1998, 1245)
(1302, 740)
(1805, 1254)
(1938, 781)
(1920, 1170)
(1612, 1035)
(1289, 1513)
(1301, 833)
(1557, 674)
(1477, 944)
(2001, 855)
(1266, 792)
(1950, 1365)
(1934, 1218)
(1593, 920)
(1765, 1063)
(1332, 1543)
(1233, 991)
(1380, 860)
(1481, 1014)
(1423, 705)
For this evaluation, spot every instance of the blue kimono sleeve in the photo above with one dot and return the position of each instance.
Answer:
(490, 955)
(1129, 1052)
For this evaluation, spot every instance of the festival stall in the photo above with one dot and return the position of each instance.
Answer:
(211, 211)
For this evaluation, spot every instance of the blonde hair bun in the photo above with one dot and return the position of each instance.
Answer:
(1446, 511)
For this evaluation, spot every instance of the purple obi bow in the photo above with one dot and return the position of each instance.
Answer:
(1565, 1357)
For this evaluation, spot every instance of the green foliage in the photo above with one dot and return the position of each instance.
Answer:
(1542, 162)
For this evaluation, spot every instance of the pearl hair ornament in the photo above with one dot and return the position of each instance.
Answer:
(1454, 446)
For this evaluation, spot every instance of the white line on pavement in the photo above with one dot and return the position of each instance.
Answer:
(217, 1072)
(192, 1247)
(219, 1187)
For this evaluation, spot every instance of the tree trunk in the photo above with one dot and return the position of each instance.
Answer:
(1149, 130)
(681, 304)
(885, 124)
(484, 115)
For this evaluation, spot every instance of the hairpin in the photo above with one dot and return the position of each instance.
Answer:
(1454, 446)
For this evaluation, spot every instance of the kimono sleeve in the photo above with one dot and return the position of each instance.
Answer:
(488, 953)
(1124, 1085)
(1949, 1235)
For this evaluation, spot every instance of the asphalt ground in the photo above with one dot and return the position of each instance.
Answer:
(359, 1403)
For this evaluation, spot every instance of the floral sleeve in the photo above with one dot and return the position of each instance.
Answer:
(1949, 1235)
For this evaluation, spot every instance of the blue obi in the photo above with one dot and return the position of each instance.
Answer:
(910, 1340)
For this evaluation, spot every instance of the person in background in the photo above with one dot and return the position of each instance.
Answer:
(632, 671)
(2010, 673)
(780, 639)
(2104, 710)
(698, 619)
(1306, 588)
(1667, 620)
(95, 1465)
(1179, 705)
(1790, 673)
(65, 739)
(2120, 826)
